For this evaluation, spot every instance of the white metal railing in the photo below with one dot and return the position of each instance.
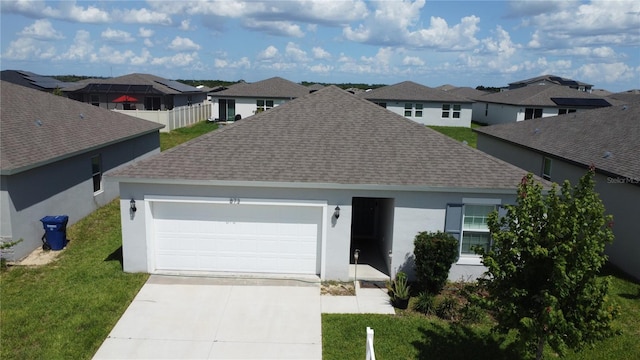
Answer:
(371, 354)
(175, 118)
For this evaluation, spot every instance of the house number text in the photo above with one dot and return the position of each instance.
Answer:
(235, 201)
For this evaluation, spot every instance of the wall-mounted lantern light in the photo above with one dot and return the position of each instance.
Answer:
(337, 212)
(132, 206)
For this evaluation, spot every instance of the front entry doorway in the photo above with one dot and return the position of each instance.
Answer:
(372, 233)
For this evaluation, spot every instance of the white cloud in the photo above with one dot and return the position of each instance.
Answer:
(321, 68)
(269, 53)
(440, 35)
(28, 49)
(42, 30)
(109, 55)
(142, 16)
(278, 28)
(608, 73)
(143, 58)
(148, 43)
(223, 63)
(183, 44)
(412, 61)
(294, 52)
(185, 25)
(145, 33)
(80, 49)
(117, 36)
(91, 14)
(179, 60)
(320, 53)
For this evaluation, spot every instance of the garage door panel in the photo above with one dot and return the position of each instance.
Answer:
(237, 238)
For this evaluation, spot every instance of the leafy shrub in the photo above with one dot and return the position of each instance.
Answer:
(472, 314)
(434, 253)
(447, 308)
(425, 303)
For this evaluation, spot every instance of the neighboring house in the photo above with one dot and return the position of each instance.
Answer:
(469, 93)
(33, 81)
(149, 97)
(551, 79)
(241, 100)
(564, 147)
(422, 104)
(136, 91)
(53, 155)
(304, 185)
(624, 97)
(534, 101)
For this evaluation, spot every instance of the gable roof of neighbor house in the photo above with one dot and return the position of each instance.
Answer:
(411, 91)
(467, 92)
(327, 138)
(608, 138)
(546, 79)
(32, 80)
(40, 128)
(549, 95)
(625, 97)
(275, 87)
(145, 83)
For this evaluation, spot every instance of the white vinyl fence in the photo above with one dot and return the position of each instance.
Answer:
(175, 118)
(371, 354)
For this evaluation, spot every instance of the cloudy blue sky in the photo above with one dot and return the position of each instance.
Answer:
(463, 43)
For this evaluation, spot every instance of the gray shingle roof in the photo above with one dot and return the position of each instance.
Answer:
(536, 95)
(275, 87)
(68, 127)
(549, 79)
(165, 86)
(582, 137)
(410, 91)
(328, 137)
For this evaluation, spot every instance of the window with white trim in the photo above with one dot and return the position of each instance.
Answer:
(451, 111)
(566, 111)
(263, 105)
(96, 172)
(475, 230)
(413, 110)
(532, 113)
(408, 109)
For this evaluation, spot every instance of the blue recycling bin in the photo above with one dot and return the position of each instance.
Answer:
(55, 231)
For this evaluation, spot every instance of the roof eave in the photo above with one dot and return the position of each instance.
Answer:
(315, 185)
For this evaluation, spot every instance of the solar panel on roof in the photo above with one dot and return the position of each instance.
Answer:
(580, 102)
(177, 86)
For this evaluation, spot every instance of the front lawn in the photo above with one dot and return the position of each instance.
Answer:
(411, 335)
(66, 309)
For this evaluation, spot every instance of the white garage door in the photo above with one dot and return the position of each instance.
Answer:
(236, 238)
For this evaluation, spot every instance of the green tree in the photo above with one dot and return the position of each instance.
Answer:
(544, 264)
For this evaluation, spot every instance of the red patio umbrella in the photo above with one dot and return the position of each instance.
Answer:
(125, 98)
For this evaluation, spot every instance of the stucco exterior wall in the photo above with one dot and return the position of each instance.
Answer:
(432, 113)
(503, 113)
(64, 187)
(413, 212)
(619, 195)
(244, 106)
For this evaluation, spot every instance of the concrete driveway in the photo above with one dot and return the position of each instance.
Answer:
(208, 318)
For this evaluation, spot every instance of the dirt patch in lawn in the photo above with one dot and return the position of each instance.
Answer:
(337, 288)
(38, 257)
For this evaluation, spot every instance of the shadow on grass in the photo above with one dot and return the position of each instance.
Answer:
(116, 256)
(460, 342)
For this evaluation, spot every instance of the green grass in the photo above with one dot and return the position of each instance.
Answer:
(410, 335)
(459, 133)
(181, 135)
(66, 309)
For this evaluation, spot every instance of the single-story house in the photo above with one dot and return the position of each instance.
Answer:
(551, 79)
(32, 80)
(136, 92)
(303, 186)
(244, 99)
(533, 101)
(54, 153)
(422, 104)
(564, 147)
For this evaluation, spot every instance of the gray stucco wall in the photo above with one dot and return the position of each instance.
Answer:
(64, 187)
(619, 195)
(413, 212)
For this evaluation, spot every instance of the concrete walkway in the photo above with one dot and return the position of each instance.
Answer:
(230, 318)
